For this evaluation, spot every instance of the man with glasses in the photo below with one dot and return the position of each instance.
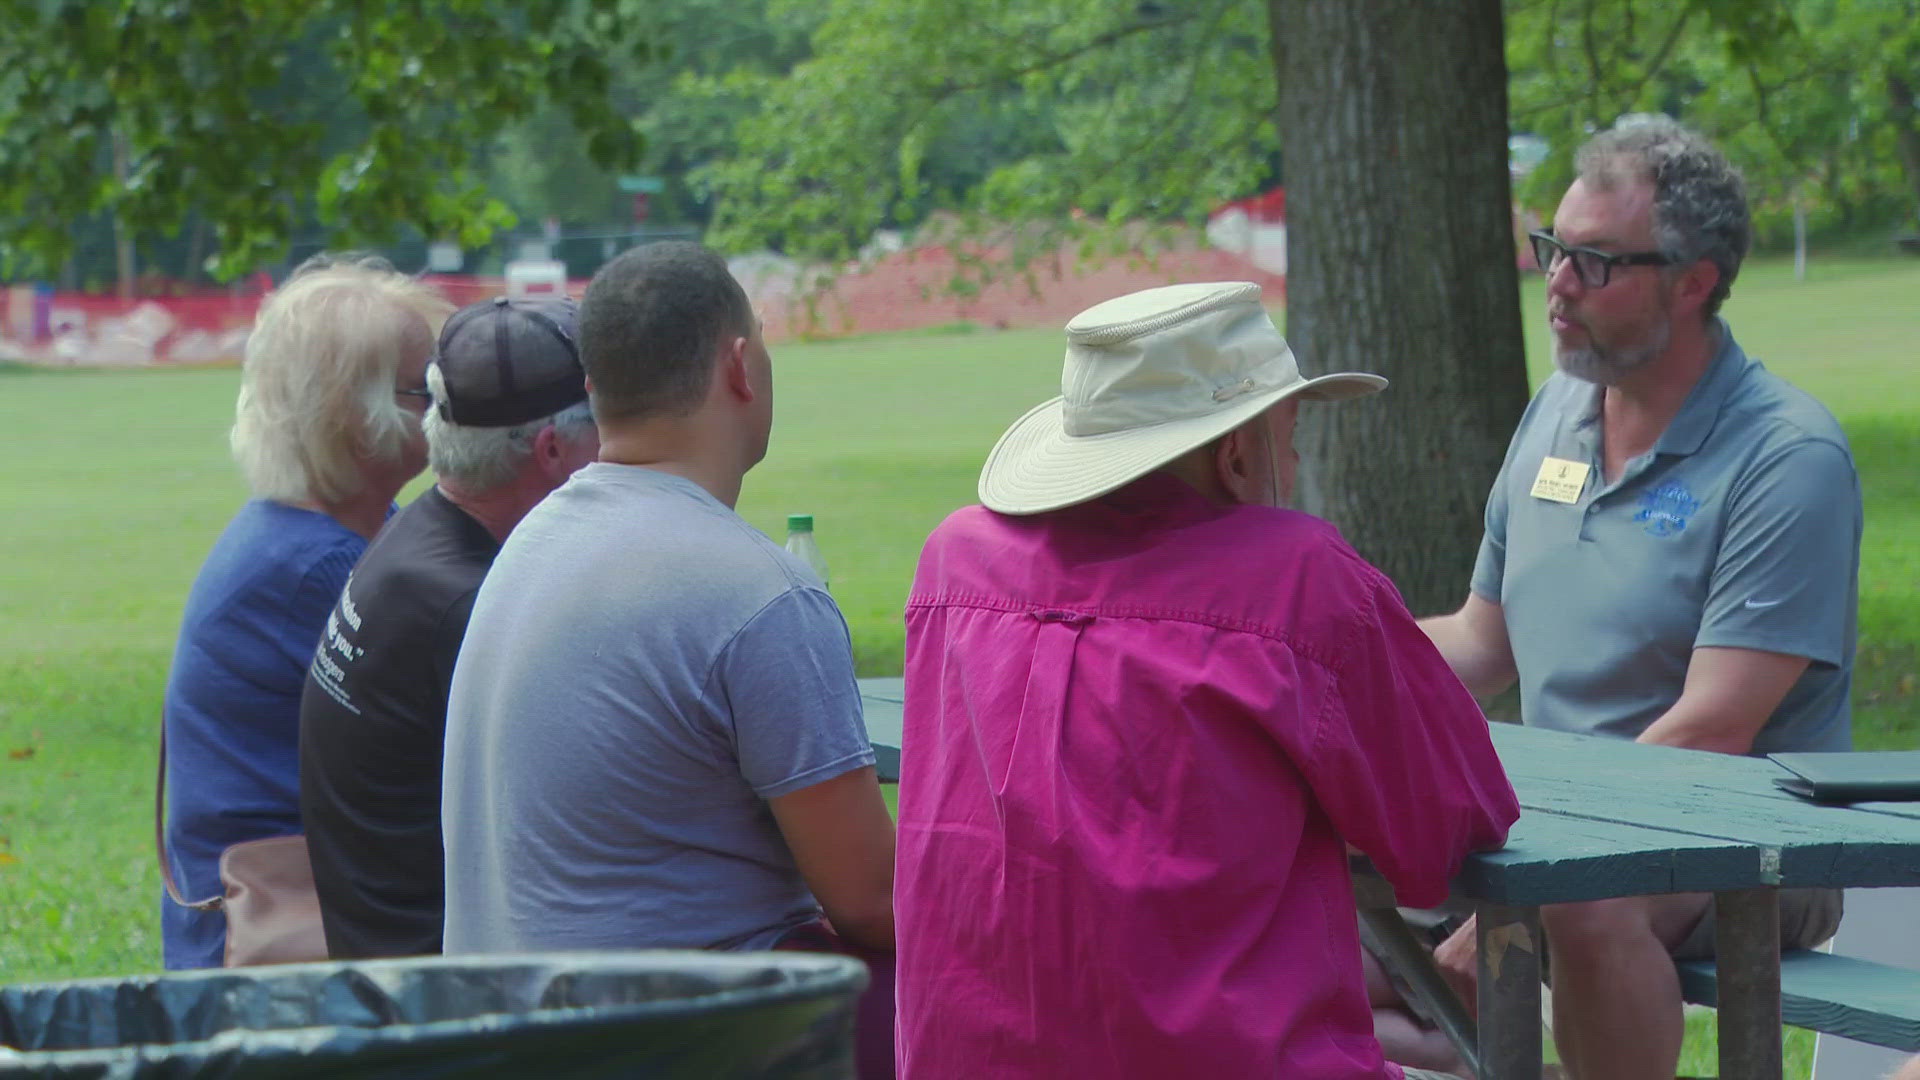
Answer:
(1671, 555)
(507, 421)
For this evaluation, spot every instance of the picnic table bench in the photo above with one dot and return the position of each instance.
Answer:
(1840, 995)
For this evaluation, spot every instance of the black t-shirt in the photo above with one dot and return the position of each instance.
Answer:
(373, 719)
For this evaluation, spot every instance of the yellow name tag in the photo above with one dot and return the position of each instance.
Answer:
(1560, 480)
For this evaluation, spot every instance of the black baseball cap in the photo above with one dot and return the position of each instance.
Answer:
(505, 362)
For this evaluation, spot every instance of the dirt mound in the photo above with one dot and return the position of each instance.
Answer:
(911, 289)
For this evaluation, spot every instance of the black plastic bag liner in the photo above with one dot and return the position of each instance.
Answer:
(666, 1015)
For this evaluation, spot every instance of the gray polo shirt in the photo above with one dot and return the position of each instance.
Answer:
(1741, 529)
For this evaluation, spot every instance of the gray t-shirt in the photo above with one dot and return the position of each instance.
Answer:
(642, 672)
(1741, 529)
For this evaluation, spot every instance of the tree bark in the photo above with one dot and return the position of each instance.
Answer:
(195, 271)
(1393, 126)
(122, 233)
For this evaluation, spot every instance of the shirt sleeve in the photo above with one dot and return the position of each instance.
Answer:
(447, 637)
(1402, 761)
(787, 682)
(309, 605)
(1789, 559)
(1490, 565)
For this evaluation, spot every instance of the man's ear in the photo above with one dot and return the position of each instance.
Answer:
(549, 456)
(733, 368)
(1697, 283)
(1233, 465)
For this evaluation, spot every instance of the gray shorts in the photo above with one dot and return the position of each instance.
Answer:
(1807, 918)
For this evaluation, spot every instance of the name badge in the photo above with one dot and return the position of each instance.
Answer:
(1560, 480)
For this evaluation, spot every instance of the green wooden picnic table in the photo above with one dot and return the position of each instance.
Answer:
(882, 700)
(1605, 818)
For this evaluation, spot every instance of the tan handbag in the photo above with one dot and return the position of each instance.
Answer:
(273, 913)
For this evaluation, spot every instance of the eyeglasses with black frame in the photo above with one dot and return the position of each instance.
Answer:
(1594, 267)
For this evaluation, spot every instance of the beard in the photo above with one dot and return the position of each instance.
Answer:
(1608, 365)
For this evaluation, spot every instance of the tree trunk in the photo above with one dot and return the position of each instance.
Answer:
(196, 252)
(1906, 132)
(1393, 126)
(1833, 182)
(122, 234)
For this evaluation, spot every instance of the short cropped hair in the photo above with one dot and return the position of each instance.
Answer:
(483, 458)
(1699, 200)
(650, 324)
(317, 386)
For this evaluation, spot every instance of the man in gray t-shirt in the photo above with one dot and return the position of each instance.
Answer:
(645, 672)
(1672, 555)
(654, 738)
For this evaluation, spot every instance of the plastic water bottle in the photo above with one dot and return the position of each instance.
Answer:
(800, 542)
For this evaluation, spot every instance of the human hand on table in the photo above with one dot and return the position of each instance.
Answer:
(1458, 961)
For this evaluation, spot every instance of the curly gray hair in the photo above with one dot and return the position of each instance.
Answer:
(1699, 199)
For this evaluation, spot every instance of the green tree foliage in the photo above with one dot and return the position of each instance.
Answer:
(716, 61)
(1025, 112)
(1043, 111)
(1577, 66)
(806, 126)
(1829, 119)
(262, 114)
(1813, 98)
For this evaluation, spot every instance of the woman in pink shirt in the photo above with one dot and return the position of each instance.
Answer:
(1147, 710)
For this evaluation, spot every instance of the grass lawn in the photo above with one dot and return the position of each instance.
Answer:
(117, 482)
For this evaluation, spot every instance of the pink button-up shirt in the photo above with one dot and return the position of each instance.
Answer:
(1139, 733)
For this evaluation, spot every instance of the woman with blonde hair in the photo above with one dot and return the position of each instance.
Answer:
(327, 431)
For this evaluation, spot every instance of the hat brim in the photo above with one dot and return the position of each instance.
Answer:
(1036, 466)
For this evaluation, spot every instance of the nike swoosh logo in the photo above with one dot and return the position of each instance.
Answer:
(1758, 604)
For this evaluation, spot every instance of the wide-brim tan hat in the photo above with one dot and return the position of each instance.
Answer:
(1148, 377)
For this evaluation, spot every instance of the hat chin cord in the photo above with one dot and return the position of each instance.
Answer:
(1279, 498)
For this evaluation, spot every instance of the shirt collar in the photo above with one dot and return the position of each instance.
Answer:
(1690, 427)
(1159, 497)
(1589, 413)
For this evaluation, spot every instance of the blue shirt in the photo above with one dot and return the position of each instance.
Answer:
(1739, 529)
(232, 710)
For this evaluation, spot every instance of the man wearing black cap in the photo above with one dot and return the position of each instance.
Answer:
(509, 422)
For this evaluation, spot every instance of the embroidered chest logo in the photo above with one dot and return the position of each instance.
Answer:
(1666, 507)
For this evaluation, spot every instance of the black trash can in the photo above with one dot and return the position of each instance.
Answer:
(665, 1015)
